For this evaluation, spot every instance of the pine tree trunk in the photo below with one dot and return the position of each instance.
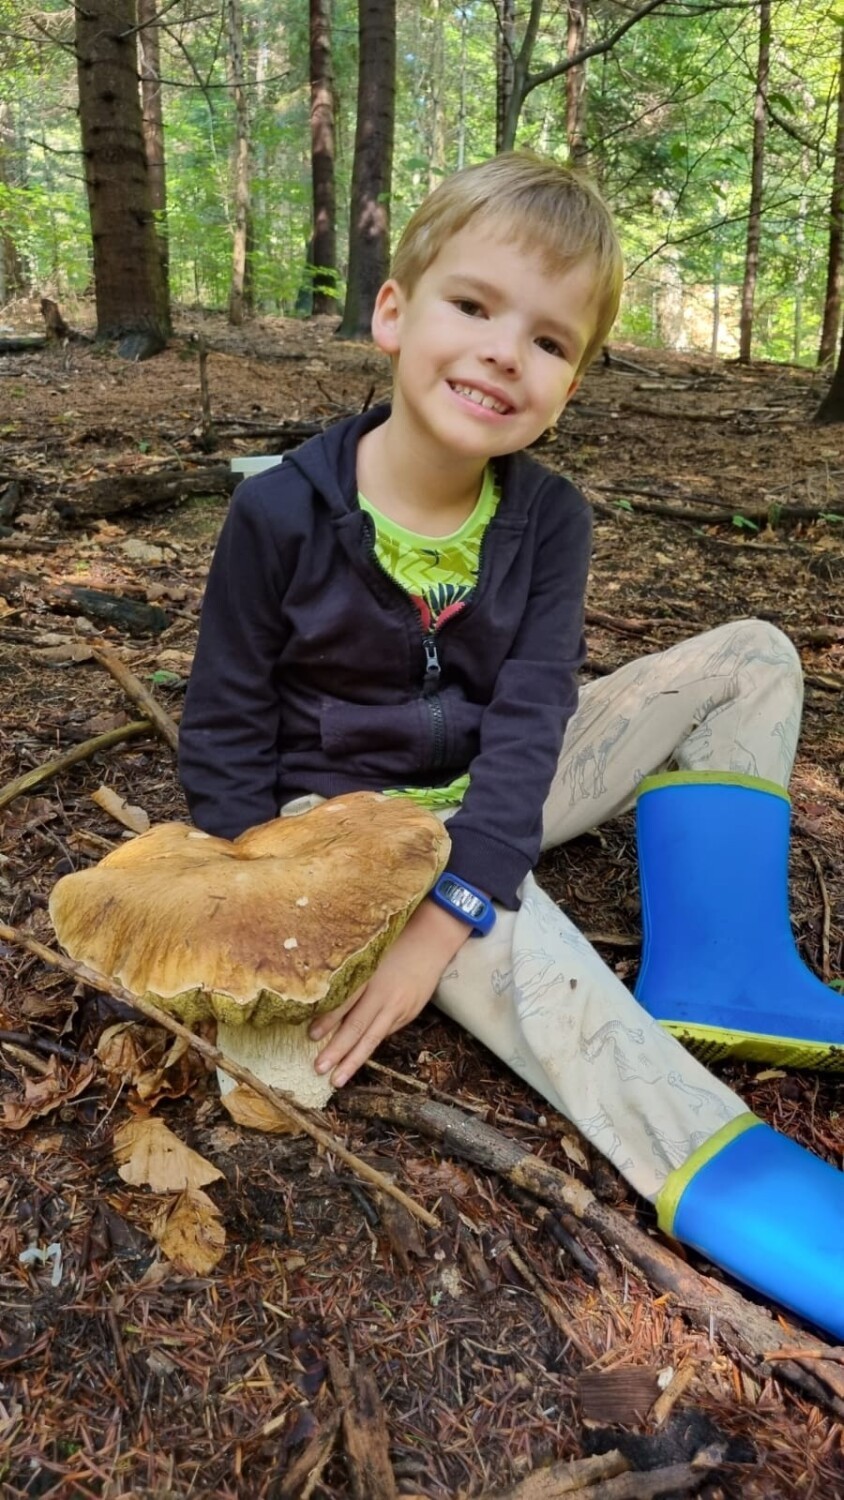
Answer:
(832, 298)
(369, 227)
(323, 247)
(505, 55)
(12, 276)
(238, 301)
(576, 82)
(754, 218)
(831, 408)
(437, 146)
(149, 58)
(129, 287)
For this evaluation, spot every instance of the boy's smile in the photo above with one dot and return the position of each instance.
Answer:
(486, 347)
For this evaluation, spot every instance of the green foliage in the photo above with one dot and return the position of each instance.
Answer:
(668, 133)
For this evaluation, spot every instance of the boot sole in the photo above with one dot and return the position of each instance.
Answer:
(714, 1044)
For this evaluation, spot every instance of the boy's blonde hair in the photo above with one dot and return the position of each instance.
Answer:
(542, 205)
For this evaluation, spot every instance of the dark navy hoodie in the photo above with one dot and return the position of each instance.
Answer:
(313, 671)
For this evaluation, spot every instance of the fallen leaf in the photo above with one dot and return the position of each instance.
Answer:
(190, 1233)
(248, 1108)
(574, 1153)
(157, 1065)
(149, 1153)
(45, 1094)
(133, 818)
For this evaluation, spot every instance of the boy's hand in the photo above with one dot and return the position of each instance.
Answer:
(402, 984)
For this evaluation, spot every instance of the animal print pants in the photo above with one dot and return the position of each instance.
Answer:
(535, 991)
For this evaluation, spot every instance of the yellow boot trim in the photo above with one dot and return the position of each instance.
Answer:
(711, 778)
(715, 1043)
(675, 1184)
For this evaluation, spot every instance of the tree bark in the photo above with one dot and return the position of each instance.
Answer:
(576, 82)
(323, 248)
(12, 276)
(831, 408)
(238, 300)
(129, 286)
(505, 58)
(369, 228)
(832, 298)
(757, 173)
(149, 58)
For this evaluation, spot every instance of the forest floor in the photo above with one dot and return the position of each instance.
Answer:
(127, 1373)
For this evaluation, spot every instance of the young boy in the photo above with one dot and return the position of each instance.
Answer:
(399, 607)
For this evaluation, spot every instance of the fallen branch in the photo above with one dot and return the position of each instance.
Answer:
(303, 1121)
(31, 779)
(365, 1435)
(138, 694)
(708, 1304)
(116, 495)
(613, 1479)
(568, 1478)
(110, 609)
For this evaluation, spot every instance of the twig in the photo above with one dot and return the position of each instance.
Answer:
(674, 1479)
(43, 1044)
(569, 1478)
(139, 694)
(83, 975)
(827, 919)
(31, 779)
(680, 1382)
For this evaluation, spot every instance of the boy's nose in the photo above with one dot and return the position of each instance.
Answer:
(503, 352)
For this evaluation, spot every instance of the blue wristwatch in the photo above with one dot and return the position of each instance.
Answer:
(463, 901)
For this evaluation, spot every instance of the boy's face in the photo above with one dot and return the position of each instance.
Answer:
(486, 346)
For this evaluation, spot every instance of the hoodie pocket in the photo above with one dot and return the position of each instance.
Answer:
(353, 728)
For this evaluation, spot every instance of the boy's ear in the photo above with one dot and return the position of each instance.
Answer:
(387, 317)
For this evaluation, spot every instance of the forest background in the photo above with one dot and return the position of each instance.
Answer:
(284, 145)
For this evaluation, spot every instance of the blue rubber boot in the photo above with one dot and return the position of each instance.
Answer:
(720, 968)
(768, 1212)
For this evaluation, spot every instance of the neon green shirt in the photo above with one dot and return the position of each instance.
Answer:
(439, 573)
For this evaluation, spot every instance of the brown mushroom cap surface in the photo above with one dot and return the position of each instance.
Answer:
(276, 925)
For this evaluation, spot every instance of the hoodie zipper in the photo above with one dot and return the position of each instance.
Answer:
(433, 666)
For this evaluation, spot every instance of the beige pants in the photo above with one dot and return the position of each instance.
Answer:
(535, 991)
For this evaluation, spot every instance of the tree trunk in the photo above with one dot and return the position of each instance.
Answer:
(437, 148)
(505, 57)
(128, 283)
(369, 227)
(240, 161)
(323, 247)
(149, 57)
(576, 82)
(831, 408)
(12, 277)
(754, 217)
(832, 299)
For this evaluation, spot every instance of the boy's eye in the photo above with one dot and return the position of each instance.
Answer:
(550, 346)
(467, 306)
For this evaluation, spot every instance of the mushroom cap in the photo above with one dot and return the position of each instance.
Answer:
(282, 923)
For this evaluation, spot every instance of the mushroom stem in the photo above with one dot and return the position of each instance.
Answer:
(281, 1055)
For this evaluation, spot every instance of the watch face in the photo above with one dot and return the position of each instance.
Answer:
(465, 901)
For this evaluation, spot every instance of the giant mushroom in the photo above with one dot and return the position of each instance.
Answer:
(263, 932)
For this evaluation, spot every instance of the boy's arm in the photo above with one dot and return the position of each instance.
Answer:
(401, 986)
(497, 831)
(229, 729)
